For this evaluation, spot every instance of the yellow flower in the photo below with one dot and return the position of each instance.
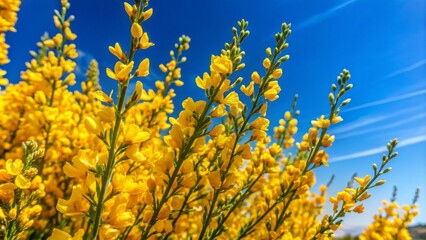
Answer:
(22, 182)
(272, 91)
(13, 213)
(179, 83)
(248, 91)
(327, 141)
(116, 51)
(364, 196)
(336, 119)
(359, 209)
(144, 43)
(214, 179)
(120, 217)
(163, 68)
(221, 64)
(260, 123)
(345, 196)
(175, 137)
(164, 212)
(134, 135)
(74, 207)
(3, 81)
(321, 122)
(61, 235)
(136, 30)
(121, 71)
(147, 14)
(218, 129)
(347, 206)
(129, 10)
(93, 126)
(2, 216)
(85, 161)
(58, 39)
(363, 181)
(231, 99)
(218, 111)
(165, 163)
(189, 180)
(133, 153)
(255, 77)
(277, 73)
(101, 96)
(7, 186)
(143, 68)
(187, 167)
(263, 109)
(171, 65)
(69, 35)
(49, 43)
(108, 232)
(14, 167)
(266, 63)
(207, 81)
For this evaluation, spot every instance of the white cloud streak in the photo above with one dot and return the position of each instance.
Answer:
(373, 151)
(321, 16)
(351, 126)
(387, 100)
(382, 127)
(406, 69)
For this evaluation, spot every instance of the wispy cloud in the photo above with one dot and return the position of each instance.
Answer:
(321, 16)
(403, 121)
(351, 126)
(406, 69)
(373, 151)
(82, 61)
(387, 100)
(152, 77)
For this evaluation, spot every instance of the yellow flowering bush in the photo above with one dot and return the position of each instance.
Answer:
(123, 166)
(392, 220)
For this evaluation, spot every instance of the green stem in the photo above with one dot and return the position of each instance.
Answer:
(209, 216)
(106, 177)
(246, 231)
(235, 205)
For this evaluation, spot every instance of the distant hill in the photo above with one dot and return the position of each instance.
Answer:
(418, 232)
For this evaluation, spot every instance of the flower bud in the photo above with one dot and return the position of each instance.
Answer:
(277, 73)
(151, 184)
(136, 30)
(147, 14)
(380, 182)
(266, 63)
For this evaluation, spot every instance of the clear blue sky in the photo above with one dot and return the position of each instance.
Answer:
(381, 42)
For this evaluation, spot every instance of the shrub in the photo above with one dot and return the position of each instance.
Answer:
(119, 166)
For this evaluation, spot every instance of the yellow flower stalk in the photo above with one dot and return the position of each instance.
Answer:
(121, 71)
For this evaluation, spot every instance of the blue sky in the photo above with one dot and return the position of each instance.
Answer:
(381, 42)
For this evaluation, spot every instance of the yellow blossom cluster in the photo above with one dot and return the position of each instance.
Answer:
(392, 220)
(123, 166)
(8, 18)
(20, 191)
